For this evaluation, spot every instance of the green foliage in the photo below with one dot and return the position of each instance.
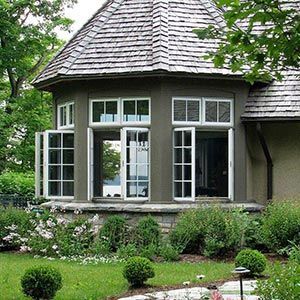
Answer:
(127, 251)
(283, 283)
(137, 271)
(252, 260)
(111, 161)
(149, 251)
(169, 253)
(281, 224)
(208, 230)
(14, 224)
(147, 232)
(21, 184)
(253, 237)
(41, 282)
(264, 53)
(114, 231)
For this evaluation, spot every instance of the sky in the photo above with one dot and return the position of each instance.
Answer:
(80, 13)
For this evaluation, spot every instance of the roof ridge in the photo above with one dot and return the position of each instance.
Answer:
(160, 35)
(111, 6)
(214, 9)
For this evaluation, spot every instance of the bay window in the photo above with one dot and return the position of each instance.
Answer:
(66, 115)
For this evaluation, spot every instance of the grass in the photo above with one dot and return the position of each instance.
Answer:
(92, 282)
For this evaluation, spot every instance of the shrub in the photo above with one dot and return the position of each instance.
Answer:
(149, 252)
(169, 253)
(147, 232)
(21, 184)
(114, 231)
(138, 270)
(41, 282)
(252, 260)
(281, 224)
(283, 283)
(127, 251)
(14, 224)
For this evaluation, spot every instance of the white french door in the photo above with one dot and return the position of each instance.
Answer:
(90, 161)
(184, 164)
(231, 164)
(135, 163)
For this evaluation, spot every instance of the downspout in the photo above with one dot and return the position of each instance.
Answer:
(269, 160)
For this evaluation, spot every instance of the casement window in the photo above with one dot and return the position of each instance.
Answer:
(217, 111)
(55, 164)
(66, 115)
(186, 110)
(115, 112)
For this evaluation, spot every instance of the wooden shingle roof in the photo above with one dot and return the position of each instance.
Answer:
(134, 36)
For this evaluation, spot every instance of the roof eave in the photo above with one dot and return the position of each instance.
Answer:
(269, 119)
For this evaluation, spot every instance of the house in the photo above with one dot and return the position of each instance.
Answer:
(134, 80)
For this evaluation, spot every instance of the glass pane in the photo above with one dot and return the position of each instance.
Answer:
(98, 112)
(68, 188)
(187, 189)
(187, 172)
(143, 110)
(224, 112)
(188, 138)
(63, 115)
(142, 155)
(178, 189)
(68, 173)
(68, 156)
(111, 111)
(54, 188)
(71, 114)
(54, 156)
(131, 189)
(54, 140)
(54, 173)
(142, 172)
(131, 172)
(131, 154)
(193, 111)
(211, 111)
(129, 111)
(179, 110)
(142, 190)
(177, 138)
(68, 140)
(178, 155)
(131, 139)
(178, 172)
(188, 156)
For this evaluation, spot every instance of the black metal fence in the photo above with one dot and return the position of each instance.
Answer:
(16, 201)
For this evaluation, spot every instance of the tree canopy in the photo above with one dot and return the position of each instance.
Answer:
(28, 38)
(261, 37)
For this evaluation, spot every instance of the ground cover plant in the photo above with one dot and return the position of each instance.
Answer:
(99, 281)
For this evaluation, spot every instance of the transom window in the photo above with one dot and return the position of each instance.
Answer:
(66, 115)
(186, 110)
(203, 111)
(120, 111)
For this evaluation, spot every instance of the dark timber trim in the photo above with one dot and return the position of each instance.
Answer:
(269, 160)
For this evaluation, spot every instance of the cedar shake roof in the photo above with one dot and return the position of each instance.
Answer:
(134, 37)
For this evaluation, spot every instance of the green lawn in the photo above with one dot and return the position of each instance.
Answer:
(97, 282)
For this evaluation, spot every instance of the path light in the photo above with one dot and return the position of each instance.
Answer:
(241, 271)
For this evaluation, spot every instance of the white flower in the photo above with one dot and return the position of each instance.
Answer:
(200, 277)
(95, 219)
(54, 247)
(25, 249)
(50, 223)
(186, 283)
(13, 227)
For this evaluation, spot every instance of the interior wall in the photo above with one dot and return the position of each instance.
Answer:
(283, 140)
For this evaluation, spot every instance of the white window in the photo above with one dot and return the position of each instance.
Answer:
(136, 111)
(105, 111)
(186, 110)
(57, 174)
(66, 115)
(217, 111)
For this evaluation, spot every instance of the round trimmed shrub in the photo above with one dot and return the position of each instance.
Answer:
(41, 282)
(252, 260)
(138, 270)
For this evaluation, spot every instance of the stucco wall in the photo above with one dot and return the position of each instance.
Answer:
(283, 140)
(161, 91)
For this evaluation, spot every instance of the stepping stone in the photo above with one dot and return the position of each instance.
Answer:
(234, 287)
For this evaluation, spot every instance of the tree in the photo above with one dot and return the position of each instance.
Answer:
(28, 38)
(261, 37)
(111, 161)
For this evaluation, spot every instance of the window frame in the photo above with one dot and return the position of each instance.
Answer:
(186, 99)
(218, 100)
(69, 125)
(46, 166)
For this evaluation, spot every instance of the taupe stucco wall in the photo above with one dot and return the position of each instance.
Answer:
(161, 91)
(283, 140)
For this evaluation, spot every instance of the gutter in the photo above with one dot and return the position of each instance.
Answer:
(268, 159)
